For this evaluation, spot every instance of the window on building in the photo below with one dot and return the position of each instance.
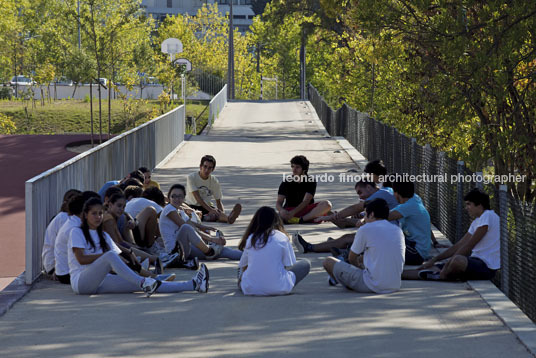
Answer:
(239, 16)
(169, 3)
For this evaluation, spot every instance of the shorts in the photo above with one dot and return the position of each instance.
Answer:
(350, 276)
(476, 270)
(412, 255)
(304, 211)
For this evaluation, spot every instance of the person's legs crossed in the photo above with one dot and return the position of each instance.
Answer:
(148, 225)
(350, 276)
(321, 209)
(189, 238)
(301, 269)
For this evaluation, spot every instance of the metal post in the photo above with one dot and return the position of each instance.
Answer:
(230, 58)
(302, 66)
(459, 201)
(261, 87)
(503, 212)
(479, 183)
(412, 159)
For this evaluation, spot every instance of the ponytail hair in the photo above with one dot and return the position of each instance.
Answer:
(85, 226)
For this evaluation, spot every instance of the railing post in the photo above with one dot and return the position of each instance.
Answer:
(459, 200)
(479, 184)
(413, 151)
(503, 212)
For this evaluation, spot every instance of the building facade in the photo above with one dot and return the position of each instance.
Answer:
(242, 12)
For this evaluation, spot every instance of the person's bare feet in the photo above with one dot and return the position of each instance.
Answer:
(237, 209)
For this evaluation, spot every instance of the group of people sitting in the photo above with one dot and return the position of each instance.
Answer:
(124, 237)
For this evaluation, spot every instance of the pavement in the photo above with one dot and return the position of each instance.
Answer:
(253, 144)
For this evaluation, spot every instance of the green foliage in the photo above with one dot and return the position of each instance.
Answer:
(7, 126)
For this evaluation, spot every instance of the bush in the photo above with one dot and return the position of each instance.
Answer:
(6, 92)
(7, 126)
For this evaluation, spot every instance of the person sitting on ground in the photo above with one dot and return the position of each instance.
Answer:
(144, 211)
(201, 187)
(268, 265)
(476, 256)
(295, 197)
(136, 174)
(377, 169)
(367, 191)
(74, 207)
(414, 221)
(148, 182)
(133, 191)
(47, 255)
(350, 216)
(92, 255)
(376, 258)
(179, 232)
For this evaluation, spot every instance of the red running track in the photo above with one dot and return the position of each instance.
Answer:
(21, 158)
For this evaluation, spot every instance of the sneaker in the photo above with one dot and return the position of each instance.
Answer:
(149, 286)
(293, 220)
(217, 251)
(237, 209)
(302, 245)
(192, 264)
(200, 279)
(429, 275)
(169, 259)
(332, 281)
(166, 277)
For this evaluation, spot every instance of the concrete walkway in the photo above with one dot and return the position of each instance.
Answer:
(253, 144)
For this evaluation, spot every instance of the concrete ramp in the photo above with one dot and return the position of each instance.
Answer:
(253, 143)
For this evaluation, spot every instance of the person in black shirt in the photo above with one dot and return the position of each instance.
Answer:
(295, 197)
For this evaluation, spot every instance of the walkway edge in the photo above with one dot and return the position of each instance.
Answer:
(512, 317)
(13, 293)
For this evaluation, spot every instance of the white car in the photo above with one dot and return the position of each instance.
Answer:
(21, 81)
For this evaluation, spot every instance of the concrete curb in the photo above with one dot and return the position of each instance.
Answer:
(12, 293)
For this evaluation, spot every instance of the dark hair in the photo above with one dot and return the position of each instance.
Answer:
(85, 226)
(375, 167)
(265, 220)
(66, 197)
(176, 186)
(405, 189)
(131, 182)
(76, 204)
(302, 161)
(208, 158)
(88, 194)
(379, 207)
(143, 170)
(478, 197)
(136, 174)
(133, 191)
(116, 196)
(112, 190)
(154, 194)
(364, 183)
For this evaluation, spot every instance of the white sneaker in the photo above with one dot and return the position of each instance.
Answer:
(201, 279)
(149, 285)
(217, 251)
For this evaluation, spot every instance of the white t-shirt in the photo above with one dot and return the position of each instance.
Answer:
(383, 248)
(50, 237)
(136, 205)
(62, 241)
(77, 239)
(168, 229)
(488, 248)
(208, 189)
(266, 273)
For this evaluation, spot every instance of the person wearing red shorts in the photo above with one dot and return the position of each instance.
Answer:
(295, 197)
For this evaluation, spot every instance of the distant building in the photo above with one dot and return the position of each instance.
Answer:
(242, 11)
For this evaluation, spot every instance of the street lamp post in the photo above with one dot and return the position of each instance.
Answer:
(230, 62)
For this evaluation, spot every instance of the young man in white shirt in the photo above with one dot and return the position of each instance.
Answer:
(476, 256)
(202, 187)
(381, 244)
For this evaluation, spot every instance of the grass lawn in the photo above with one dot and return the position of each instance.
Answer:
(73, 116)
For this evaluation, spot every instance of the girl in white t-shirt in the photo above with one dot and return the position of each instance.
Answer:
(178, 228)
(268, 265)
(92, 255)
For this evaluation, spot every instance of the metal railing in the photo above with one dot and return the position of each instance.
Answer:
(147, 145)
(444, 198)
(216, 105)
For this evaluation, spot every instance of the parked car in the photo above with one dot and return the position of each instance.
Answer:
(63, 81)
(103, 81)
(22, 81)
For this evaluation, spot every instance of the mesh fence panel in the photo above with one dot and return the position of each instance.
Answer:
(444, 197)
